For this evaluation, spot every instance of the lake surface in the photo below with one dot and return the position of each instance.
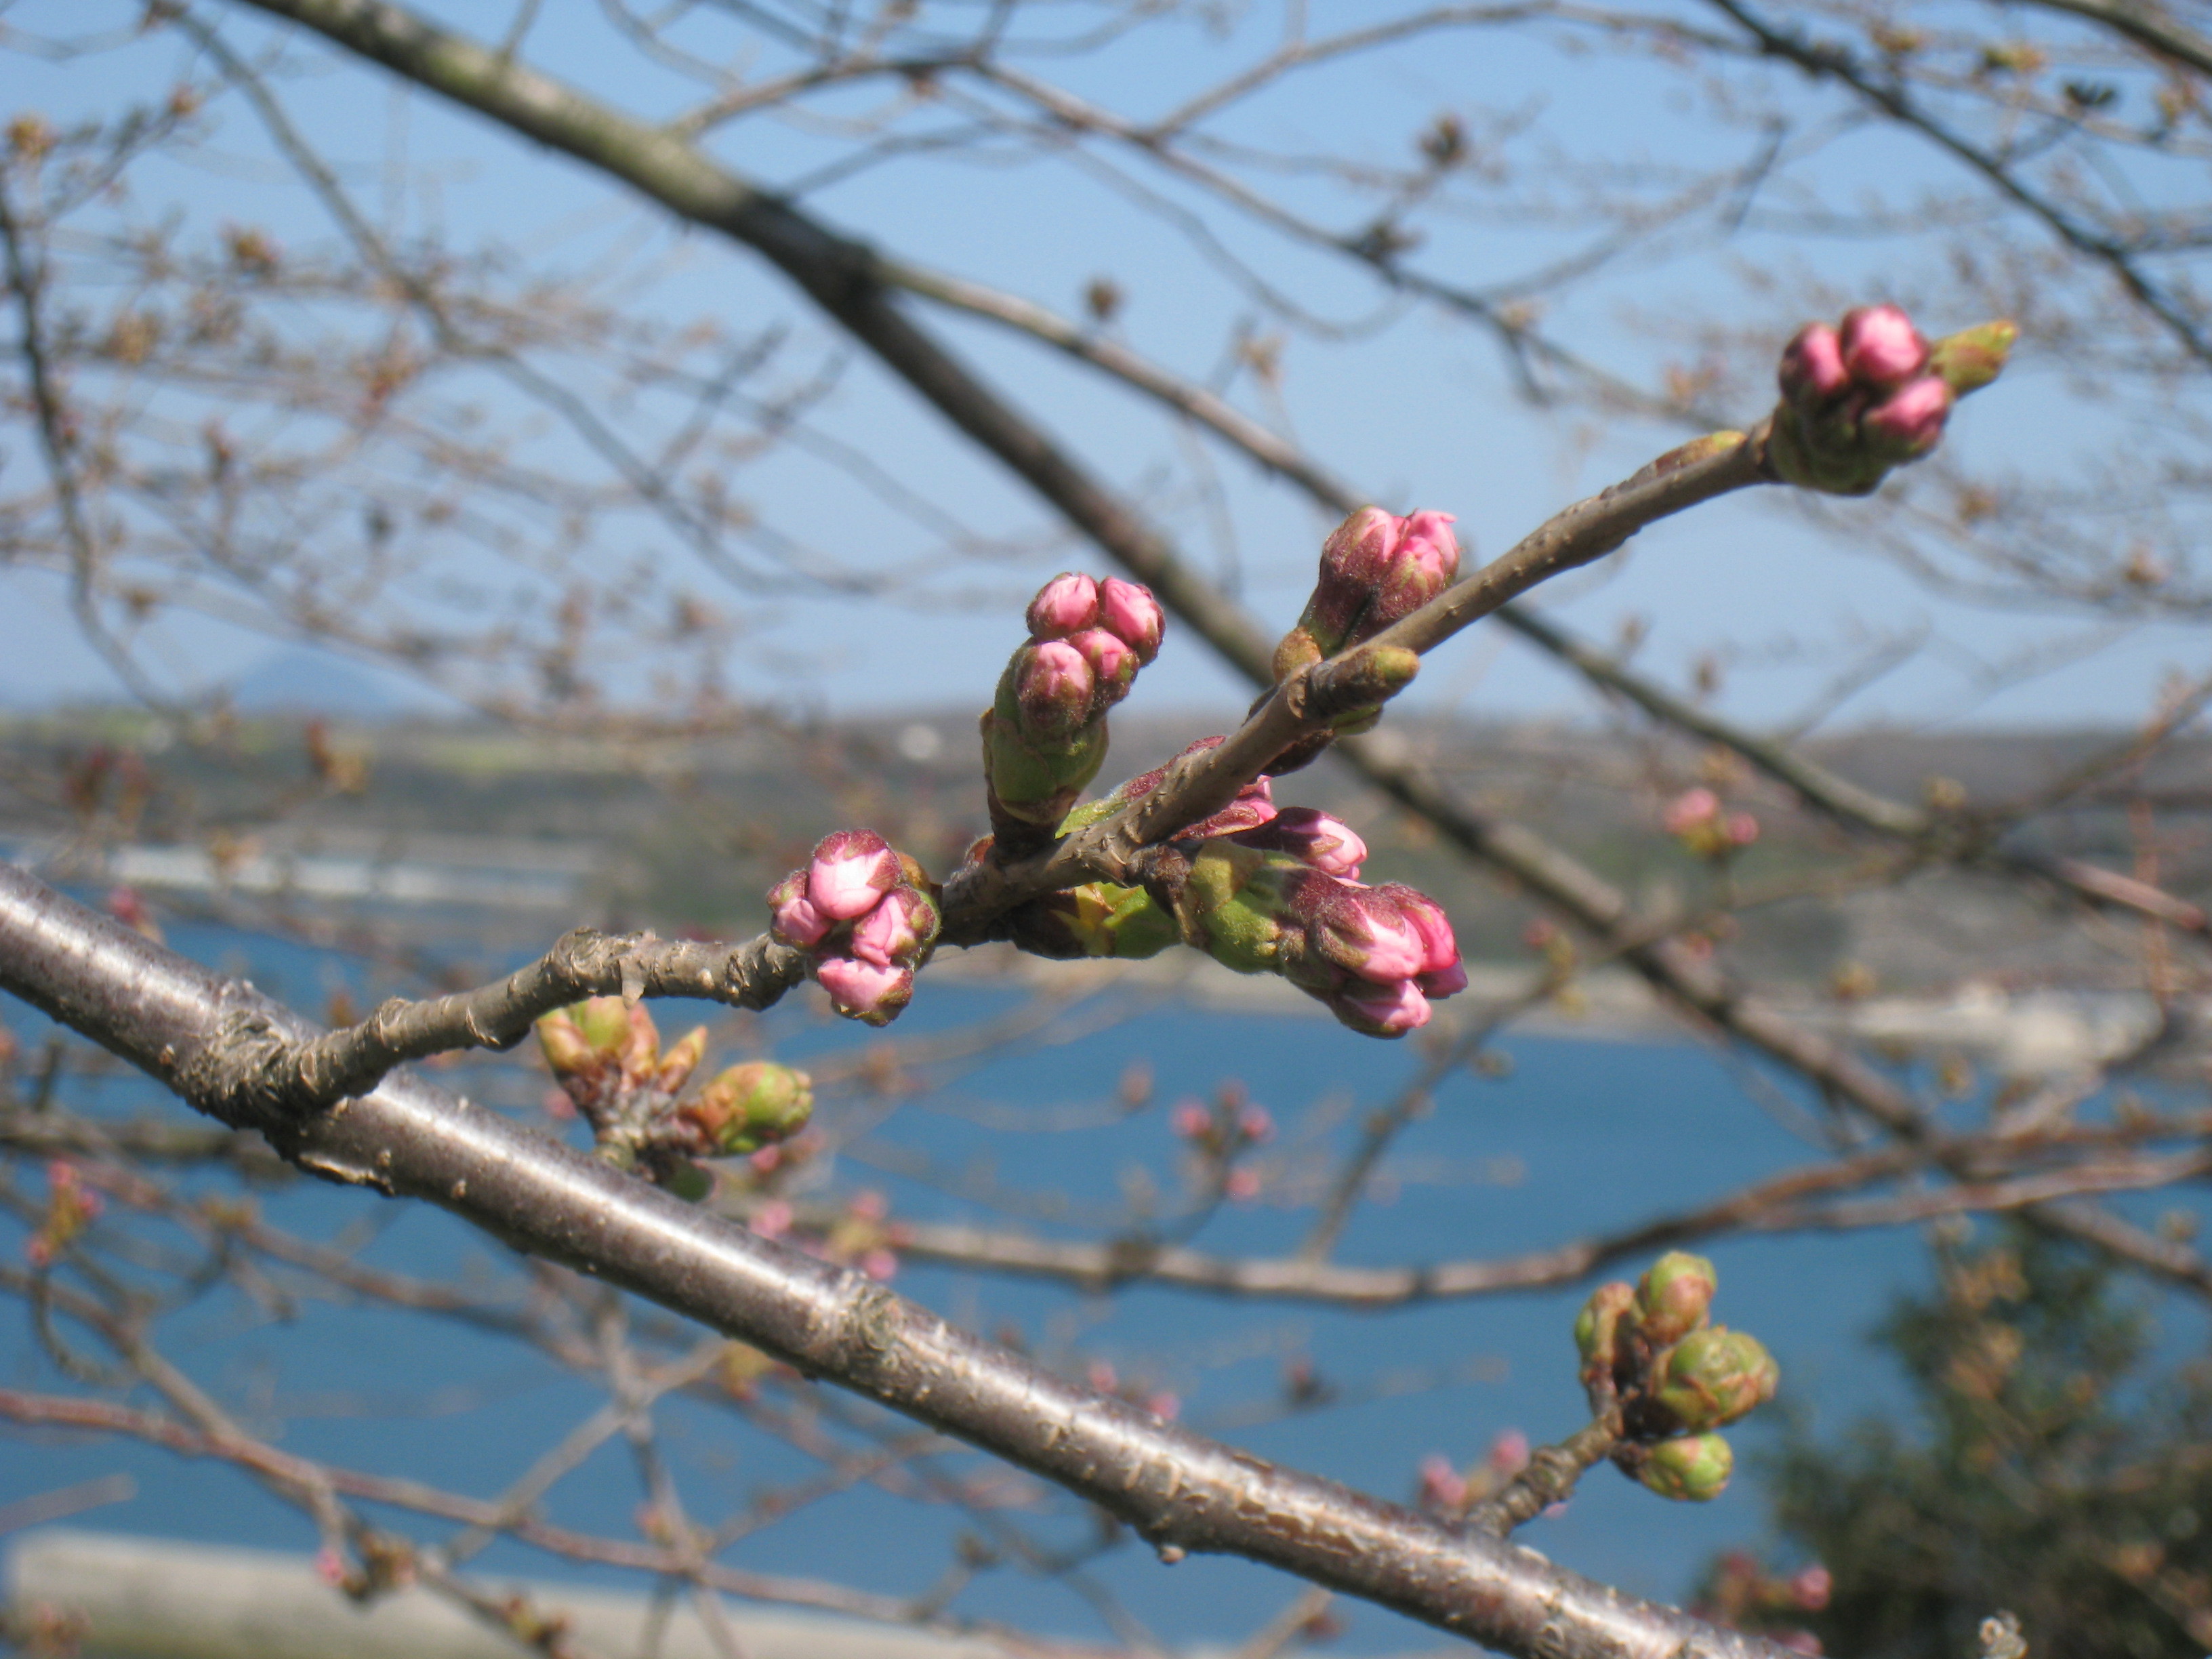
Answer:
(1580, 1135)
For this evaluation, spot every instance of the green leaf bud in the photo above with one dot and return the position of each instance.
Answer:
(1711, 1377)
(605, 1023)
(1673, 1297)
(749, 1107)
(1694, 1470)
(1969, 359)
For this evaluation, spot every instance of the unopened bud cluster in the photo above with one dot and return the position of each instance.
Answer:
(863, 913)
(1265, 889)
(1861, 399)
(1650, 1353)
(1375, 569)
(1044, 735)
(1705, 827)
(607, 1057)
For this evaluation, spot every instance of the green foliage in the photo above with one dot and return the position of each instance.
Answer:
(2048, 1474)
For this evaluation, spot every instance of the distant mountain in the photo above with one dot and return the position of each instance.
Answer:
(303, 682)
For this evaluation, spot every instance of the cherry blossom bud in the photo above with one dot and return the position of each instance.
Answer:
(879, 1264)
(1067, 604)
(1112, 665)
(1813, 366)
(1313, 837)
(1713, 1376)
(864, 991)
(1128, 610)
(1386, 1010)
(851, 870)
(895, 931)
(1442, 973)
(1690, 809)
(1910, 423)
(1880, 347)
(1509, 1453)
(791, 916)
(1242, 1185)
(1673, 1297)
(1053, 688)
(1741, 828)
(1811, 1586)
(749, 1107)
(1256, 1124)
(1695, 1470)
(1360, 929)
(1191, 1120)
(1422, 562)
(1375, 569)
(1442, 1487)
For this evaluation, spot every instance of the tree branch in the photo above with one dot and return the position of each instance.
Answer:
(1181, 1490)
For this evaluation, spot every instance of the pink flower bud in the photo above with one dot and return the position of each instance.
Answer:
(1067, 604)
(868, 1205)
(1191, 1120)
(1163, 1405)
(850, 871)
(1112, 664)
(773, 1219)
(1811, 1586)
(1054, 685)
(1422, 561)
(1362, 930)
(1742, 829)
(894, 933)
(1813, 365)
(1381, 1010)
(879, 1264)
(1690, 809)
(863, 990)
(1509, 1453)
(1880, 347)
(791, 916)
(1355, 549)
(1128, 610)
(1252, 808)
(1910, 421)
(1442, 1485)
(1256, 1124)
(1242, 1186)
(1441, 973)
(1329, 844)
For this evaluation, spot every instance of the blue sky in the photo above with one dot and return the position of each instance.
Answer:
(1419, 411)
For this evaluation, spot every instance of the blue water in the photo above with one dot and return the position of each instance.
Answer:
(1580, 1135)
